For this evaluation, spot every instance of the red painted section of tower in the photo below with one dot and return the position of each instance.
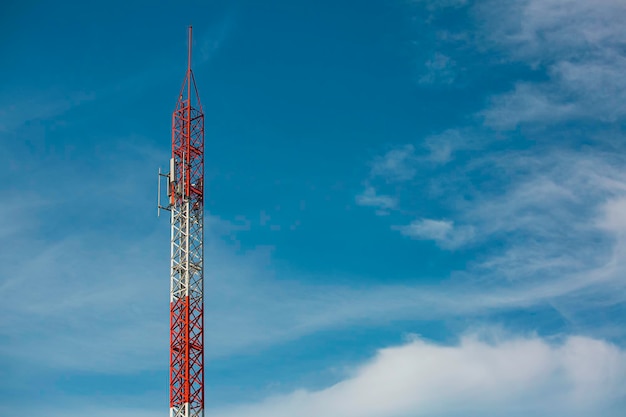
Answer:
(187, 309)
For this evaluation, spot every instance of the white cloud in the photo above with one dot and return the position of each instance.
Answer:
(18, 217)
(518, 376)
(440, 4)
(214, 37)
(396, 165)
(444, 145)
(15, 113)
(580, 45)
(370, 198)
(443, 232)
(79, 410)
(528, 102)
(440, 69)
(614, 216)
(541, 31)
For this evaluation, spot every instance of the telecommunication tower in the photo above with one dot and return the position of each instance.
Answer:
(185, 191)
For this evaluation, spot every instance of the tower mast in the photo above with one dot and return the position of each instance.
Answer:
(186, 203)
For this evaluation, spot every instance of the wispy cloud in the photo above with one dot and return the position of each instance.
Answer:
(542, 221)
(579, 44)
(444, 232)
(16, 112)
(370, 198)
(440, 69)
(213, 39)
(105, 299)
(398, 164)
(443, 146)
(437, 4)
(531, 214)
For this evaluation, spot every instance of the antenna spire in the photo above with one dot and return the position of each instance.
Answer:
(189, 51)
(189, 74)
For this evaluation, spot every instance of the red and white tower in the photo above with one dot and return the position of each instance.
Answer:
(186, 204)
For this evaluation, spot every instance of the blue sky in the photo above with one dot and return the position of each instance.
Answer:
(414, 208)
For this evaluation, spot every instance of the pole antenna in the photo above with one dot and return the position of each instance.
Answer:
(189, 63)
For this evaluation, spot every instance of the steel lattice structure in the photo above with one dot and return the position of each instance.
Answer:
(186, 195)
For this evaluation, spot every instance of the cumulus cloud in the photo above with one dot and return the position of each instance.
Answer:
(513, 377)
